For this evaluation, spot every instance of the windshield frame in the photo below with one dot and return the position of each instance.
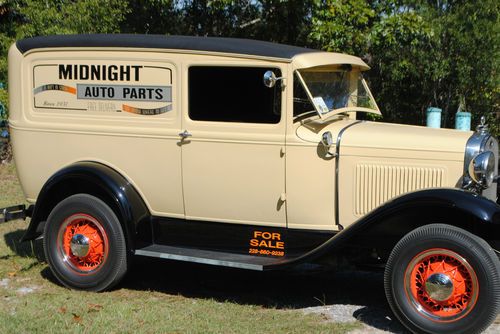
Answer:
(332, 112)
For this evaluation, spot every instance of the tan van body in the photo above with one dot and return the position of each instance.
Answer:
(228, 172)
(252, 155)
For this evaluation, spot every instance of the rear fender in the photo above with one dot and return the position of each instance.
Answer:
(103, 182)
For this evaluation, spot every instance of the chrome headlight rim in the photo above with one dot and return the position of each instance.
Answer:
(480, 141)
(481, 169)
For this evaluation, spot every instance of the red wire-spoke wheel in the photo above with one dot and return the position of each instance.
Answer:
(442, 279)
(441, 285)
(83, 243)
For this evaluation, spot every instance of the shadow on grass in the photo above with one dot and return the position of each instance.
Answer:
(24, 249)
(303, 287)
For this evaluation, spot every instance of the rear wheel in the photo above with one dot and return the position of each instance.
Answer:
(84, 244)
(443, 279)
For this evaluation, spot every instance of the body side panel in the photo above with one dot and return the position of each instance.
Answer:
(144, 148)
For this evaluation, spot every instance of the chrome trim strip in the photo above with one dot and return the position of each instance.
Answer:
(337, 161)
(196, 259)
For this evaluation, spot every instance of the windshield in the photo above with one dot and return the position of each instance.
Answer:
(337, 91)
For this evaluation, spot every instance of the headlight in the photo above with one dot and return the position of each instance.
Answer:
(480, 163)
(482, 169)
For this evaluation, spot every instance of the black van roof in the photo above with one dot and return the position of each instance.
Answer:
(211, 44)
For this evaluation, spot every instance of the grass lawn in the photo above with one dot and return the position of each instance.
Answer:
(155, 297)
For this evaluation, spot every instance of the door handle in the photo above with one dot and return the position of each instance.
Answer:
(184, 134)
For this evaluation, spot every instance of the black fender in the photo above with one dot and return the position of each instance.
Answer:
(386, 225)
(103, 182)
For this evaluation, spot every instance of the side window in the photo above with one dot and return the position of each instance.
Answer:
(233, 94)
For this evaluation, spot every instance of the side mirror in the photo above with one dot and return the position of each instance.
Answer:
(270, 79)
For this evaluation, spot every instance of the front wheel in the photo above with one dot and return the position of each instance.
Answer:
(443, 279)
(84, 244)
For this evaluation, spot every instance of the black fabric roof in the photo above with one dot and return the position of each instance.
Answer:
(214, 44)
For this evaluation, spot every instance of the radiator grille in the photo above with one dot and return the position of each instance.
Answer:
(375, 184)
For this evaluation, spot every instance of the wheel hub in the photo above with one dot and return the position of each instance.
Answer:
(83, 243)
(439, 287)
(79, 245)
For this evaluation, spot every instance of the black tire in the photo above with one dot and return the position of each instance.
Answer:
(419, 294)
(84, 244)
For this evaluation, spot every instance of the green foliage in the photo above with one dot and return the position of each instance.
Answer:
(471, 43)
(272, 20)
(217, 17)
(402, 49)
(69, 17)
(153, 17)
(342, 26)
(282, 21)
(28, 18)
(4, 99)
(422, 53)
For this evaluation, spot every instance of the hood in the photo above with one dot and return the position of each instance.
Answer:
(377, 137)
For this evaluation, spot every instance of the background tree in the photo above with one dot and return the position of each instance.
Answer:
(285, 21)
(153, 17)
(219, 18)
(26, 18)
(405, 60)
(342, 26)
(422, 52)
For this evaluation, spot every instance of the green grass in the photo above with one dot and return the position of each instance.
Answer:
(156, 296)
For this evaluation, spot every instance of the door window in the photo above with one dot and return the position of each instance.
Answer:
(233, 94)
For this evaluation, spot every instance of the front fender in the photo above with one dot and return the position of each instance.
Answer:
(485, 210)
(103, 182)
(388, 223)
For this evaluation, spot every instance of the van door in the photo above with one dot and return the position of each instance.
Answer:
(233, 146)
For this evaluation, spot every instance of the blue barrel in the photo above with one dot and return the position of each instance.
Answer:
(462, 120)
(434, 117)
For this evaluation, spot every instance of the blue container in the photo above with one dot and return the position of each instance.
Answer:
(434, 117)
(462, 120)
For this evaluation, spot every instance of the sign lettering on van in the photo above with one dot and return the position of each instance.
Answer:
(99, 72)
(124, 93)
(98, 87)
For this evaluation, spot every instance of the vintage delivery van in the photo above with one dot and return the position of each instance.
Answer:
(251, 155)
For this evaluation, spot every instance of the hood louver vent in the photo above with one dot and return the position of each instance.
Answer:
(376, 184)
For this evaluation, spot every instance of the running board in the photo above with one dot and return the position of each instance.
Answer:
(214, 258)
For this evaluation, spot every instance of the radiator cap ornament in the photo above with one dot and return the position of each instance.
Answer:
(483, 127)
